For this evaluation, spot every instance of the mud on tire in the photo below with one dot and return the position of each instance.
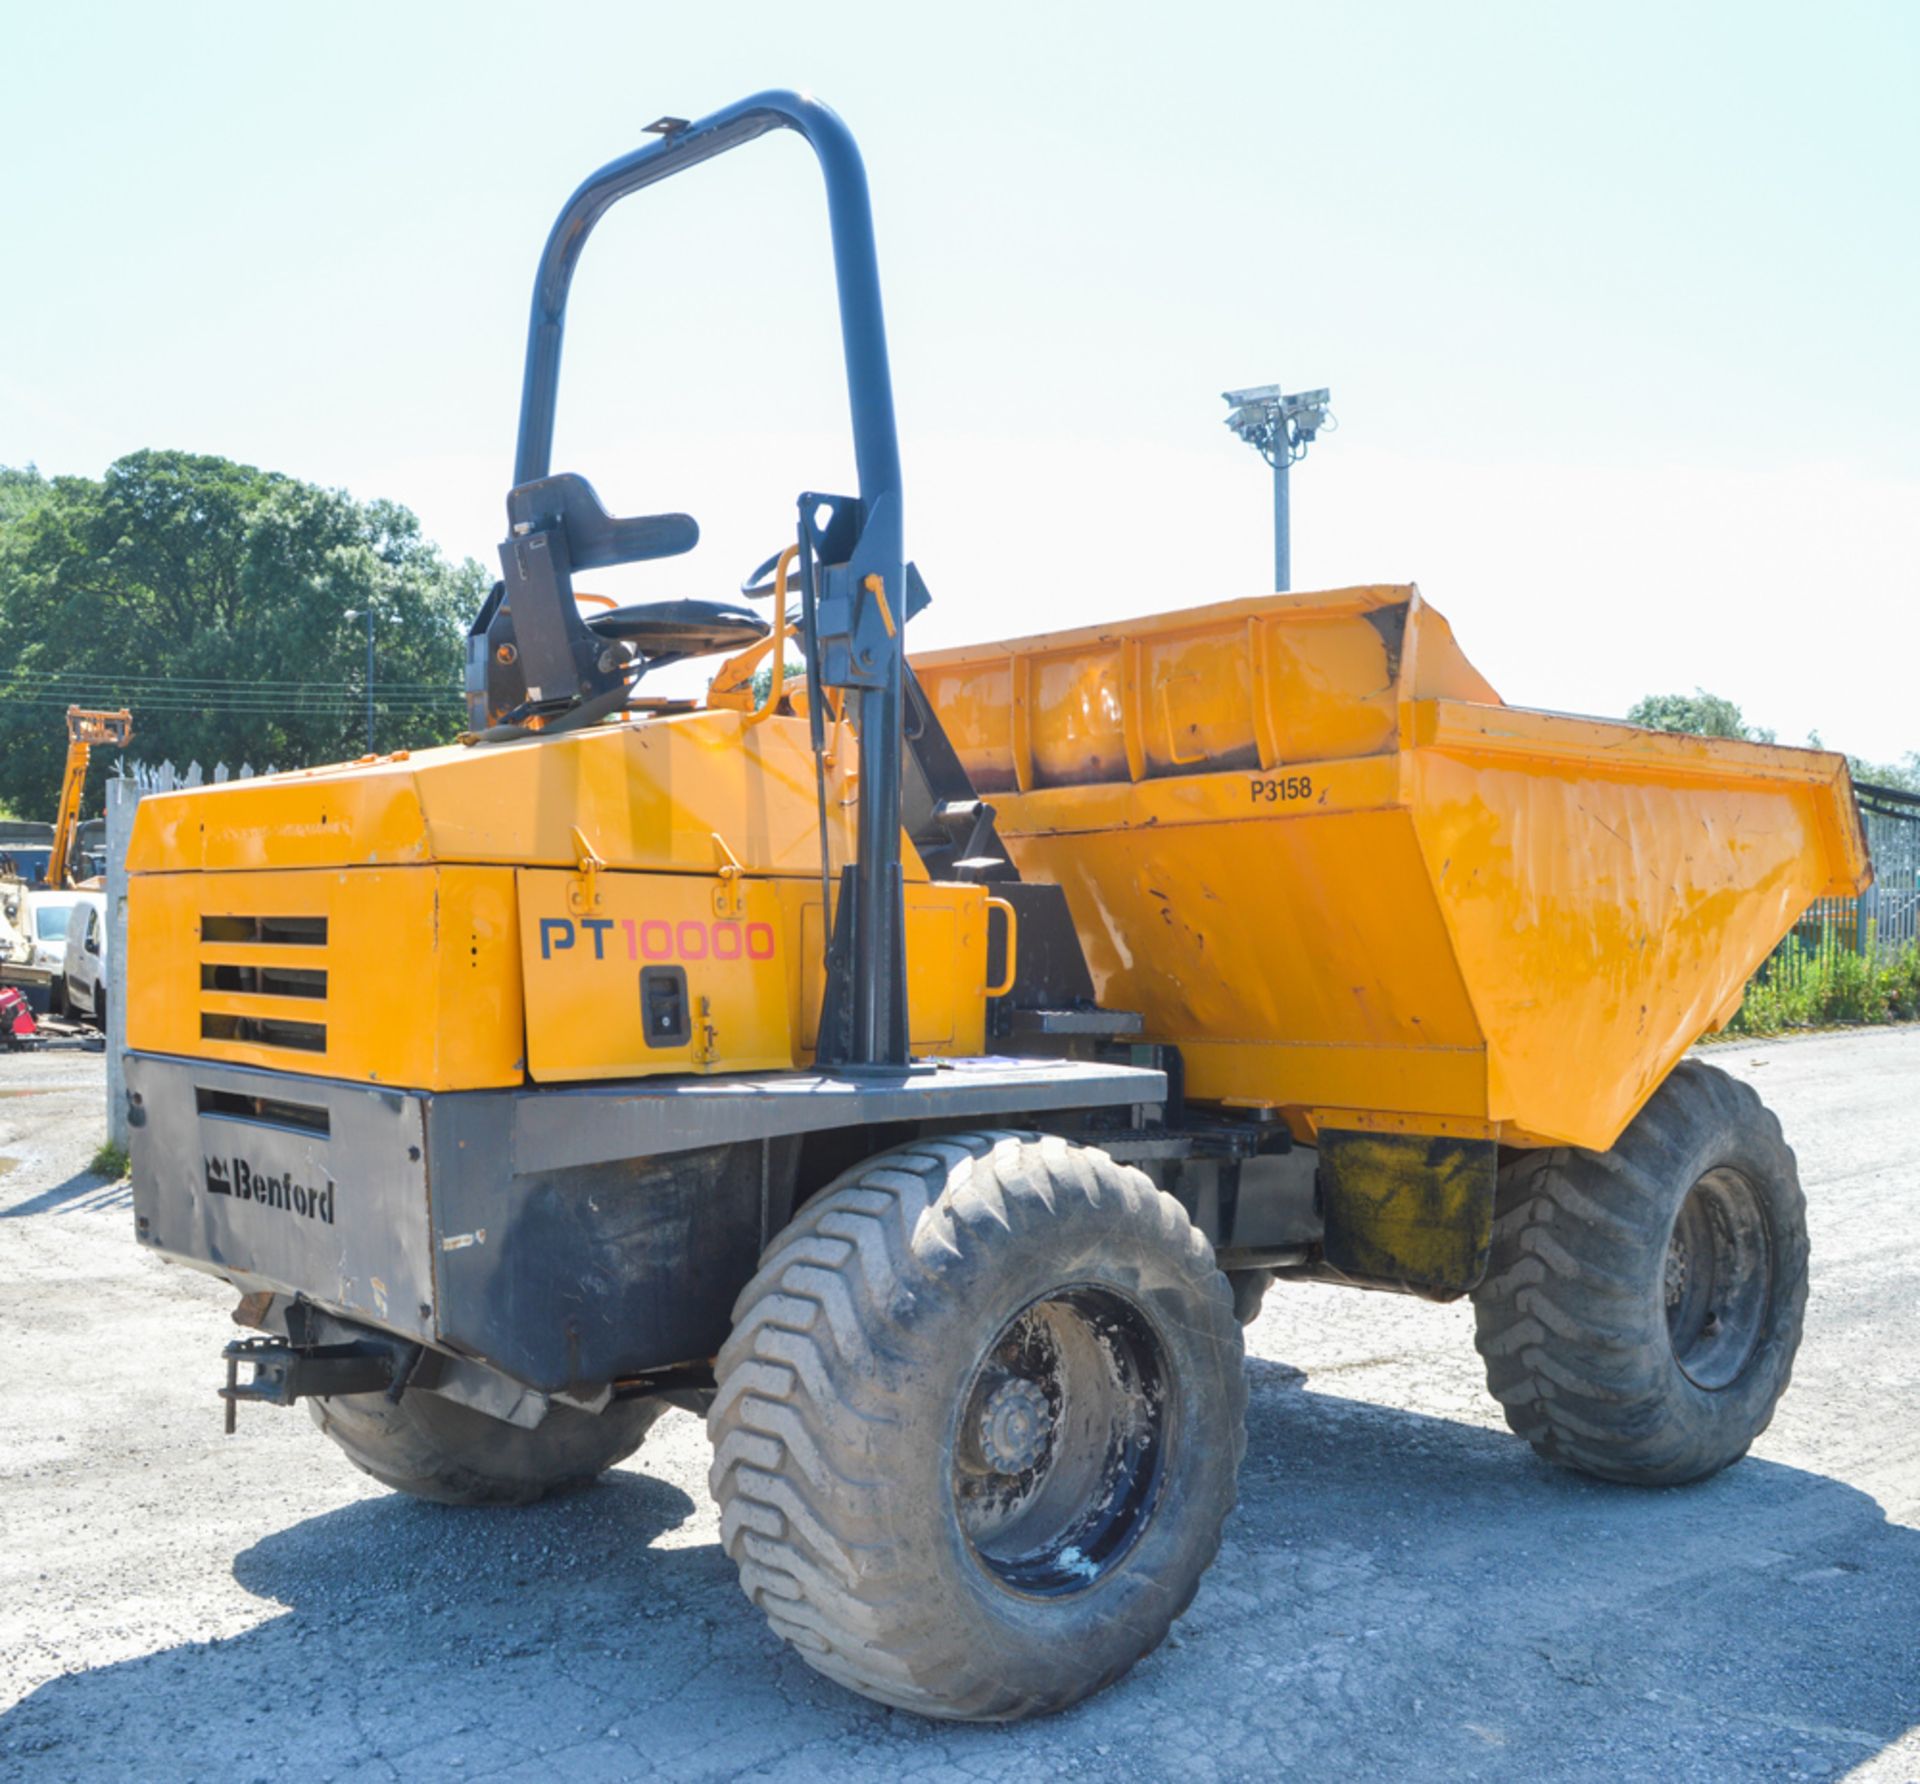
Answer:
(435, 1448)
(978, 1425)
(1642, 1307)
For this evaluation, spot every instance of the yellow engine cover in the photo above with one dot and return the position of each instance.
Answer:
(749, 972)
(468, 918)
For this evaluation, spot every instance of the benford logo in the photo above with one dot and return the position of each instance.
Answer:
(236, 1178)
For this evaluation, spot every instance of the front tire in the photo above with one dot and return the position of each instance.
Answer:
(1643, 1305)
(978, 1425)
(435, 1448)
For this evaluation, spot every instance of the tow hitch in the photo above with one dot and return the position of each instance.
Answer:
(283, 1372)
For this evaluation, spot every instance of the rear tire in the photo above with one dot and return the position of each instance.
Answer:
(435, 1448)
(978, 1425)
(1643, 1305)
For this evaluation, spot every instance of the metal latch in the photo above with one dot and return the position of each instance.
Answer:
(583, 891)
(730, 896)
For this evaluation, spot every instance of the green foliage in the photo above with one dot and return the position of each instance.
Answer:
(19, 491)
(1699, 714)
(1904, 774)
(1828, 983)
(795, 677)
(210, 598)
(109, 1161)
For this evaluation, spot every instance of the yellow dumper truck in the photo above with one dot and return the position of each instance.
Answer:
(922, 1067)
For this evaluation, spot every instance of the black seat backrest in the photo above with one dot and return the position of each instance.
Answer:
(596, 538)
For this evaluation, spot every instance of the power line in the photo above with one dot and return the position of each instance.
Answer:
(191, 697)
(122, 678)
(249, 709)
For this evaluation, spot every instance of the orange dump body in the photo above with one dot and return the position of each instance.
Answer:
(1309, 843)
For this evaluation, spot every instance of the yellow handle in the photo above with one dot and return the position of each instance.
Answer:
(878, 590)
(1013, 945)
(777, 685)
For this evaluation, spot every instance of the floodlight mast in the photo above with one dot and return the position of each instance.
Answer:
(1280, 427)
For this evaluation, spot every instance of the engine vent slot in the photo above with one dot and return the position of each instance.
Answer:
(263, 1031)
(265, 981)
(286, 932)
(262, 1111)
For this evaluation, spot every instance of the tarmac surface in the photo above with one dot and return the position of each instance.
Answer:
(1405, 1592)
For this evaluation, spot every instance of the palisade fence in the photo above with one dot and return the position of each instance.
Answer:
(1886, 917)
(163, 777)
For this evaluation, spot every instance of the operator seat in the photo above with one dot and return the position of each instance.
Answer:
(533, 658)
(596, 539)
(681, 628)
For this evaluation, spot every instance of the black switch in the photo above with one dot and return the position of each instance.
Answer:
(663, 1006)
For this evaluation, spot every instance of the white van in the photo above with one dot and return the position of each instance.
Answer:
(84, 974)
(43, 922)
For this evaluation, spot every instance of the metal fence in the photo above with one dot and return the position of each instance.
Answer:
(1886, 917)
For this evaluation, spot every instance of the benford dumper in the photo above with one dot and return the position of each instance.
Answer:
(920, 1067)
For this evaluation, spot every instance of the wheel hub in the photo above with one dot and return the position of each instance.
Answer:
(1015, 1426)
(1718, 1279)
(1062, 1441)
(1676, 1270)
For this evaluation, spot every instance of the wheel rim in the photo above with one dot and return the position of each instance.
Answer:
(1719, 1279)
(1062, 1441)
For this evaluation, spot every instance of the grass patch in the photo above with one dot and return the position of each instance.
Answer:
(1824, 985)
(109, 1161)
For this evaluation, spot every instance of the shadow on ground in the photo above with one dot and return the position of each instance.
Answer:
(85, 1192)
(1399, 1596)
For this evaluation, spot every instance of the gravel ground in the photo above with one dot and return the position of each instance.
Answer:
(1404, 1591)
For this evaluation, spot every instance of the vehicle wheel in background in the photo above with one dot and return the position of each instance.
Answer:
(1249, 1290)
(1642, 1308)
(435, 1448)
(978, 1425)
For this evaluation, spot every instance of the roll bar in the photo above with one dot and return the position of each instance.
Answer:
(856, 268)
(855, 562)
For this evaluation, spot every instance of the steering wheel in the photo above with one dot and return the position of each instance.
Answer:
(759, 586)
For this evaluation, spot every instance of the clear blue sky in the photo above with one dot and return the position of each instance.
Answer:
(1618, 304)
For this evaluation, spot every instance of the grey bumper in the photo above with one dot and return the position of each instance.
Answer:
(566, 1236)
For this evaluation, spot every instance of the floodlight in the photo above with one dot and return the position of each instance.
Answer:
(1280, 426)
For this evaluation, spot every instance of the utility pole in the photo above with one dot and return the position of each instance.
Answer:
(369, 616)
(1280, 427)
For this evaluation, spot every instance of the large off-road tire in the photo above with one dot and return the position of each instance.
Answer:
(978, 1425)
(435, 1448)
(1642, 1308)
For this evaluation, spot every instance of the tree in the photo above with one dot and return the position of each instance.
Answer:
(210, 598)
(1699, 714)
(19, 490)
(1904, 774)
